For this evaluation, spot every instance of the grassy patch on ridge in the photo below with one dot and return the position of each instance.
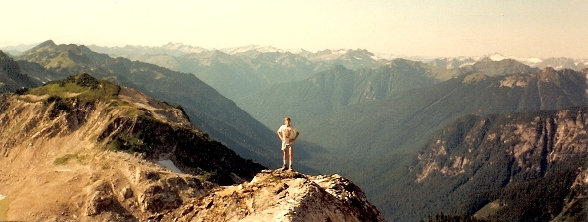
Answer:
(82, 86)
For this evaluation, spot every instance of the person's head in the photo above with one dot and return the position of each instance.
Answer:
(287, 121)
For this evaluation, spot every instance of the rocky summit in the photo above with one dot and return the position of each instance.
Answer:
(84, 149)
(285, 196)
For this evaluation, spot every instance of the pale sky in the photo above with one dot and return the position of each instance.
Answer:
(524, 28)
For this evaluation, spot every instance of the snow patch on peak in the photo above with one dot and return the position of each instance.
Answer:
(183, 48)
(497, 57)
(341, 51)
(467, 64)
(258, 48)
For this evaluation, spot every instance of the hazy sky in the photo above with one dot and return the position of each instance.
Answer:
(541, 28)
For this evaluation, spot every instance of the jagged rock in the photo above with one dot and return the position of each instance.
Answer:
(100, 200)
(157, 198)
(287, 196)
(127, 193)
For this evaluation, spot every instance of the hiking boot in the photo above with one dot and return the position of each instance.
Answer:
(284, 167)
(290, 168)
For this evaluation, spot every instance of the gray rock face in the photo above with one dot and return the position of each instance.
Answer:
(502, 167)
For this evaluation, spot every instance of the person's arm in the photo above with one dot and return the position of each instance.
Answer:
(296, 137)
(280, 135)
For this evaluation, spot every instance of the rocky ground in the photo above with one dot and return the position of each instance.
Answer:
(285, 196)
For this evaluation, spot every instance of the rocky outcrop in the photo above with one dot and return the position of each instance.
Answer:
(101, 200)
(285, 196)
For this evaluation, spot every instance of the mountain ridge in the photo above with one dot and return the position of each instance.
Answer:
(240, 72)
(336, 88)
(207, 109)
(543, 149)
(555, 62)
(450, 62)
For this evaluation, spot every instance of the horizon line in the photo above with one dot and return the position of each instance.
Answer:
(382, 55)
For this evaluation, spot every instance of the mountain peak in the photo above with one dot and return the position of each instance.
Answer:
(63, 57)
(492, 67)
(47, 43)
(496, 57)
(43, 45)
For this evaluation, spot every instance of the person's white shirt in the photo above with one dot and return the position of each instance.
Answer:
(288, 133)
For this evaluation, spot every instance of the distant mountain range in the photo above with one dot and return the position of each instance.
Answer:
(364, 117)
(238, 72)
(243, 71)
(179, 49)
(557, 63)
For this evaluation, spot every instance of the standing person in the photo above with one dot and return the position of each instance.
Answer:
(288, 134)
